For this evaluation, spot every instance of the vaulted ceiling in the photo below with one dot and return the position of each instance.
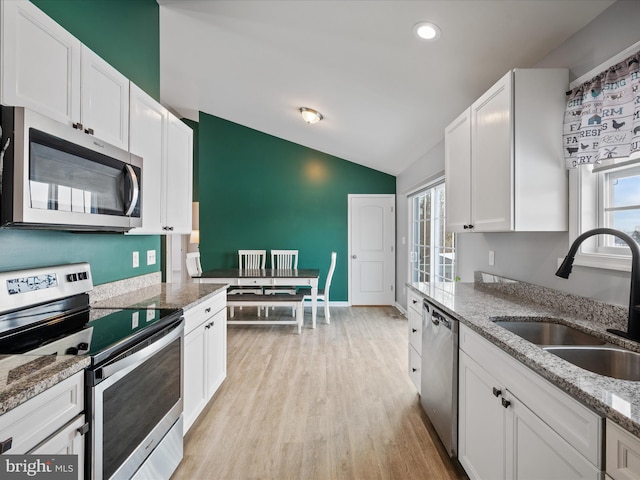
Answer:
(386, 96)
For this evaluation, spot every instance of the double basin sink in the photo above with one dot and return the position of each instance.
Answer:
(577, 347)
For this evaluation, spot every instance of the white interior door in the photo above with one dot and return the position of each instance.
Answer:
(371, 249)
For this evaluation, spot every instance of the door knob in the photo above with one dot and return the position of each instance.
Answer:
(354, 256)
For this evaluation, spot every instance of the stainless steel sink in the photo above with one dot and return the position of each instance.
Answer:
(609, 361)
(549, 333)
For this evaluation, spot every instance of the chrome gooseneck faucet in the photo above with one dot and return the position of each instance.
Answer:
(633, 327)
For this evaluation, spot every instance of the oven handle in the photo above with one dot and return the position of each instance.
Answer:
(141, 356)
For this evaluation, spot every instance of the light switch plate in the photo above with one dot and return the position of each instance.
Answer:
(136, 260)
(151, 257)
(492, 257)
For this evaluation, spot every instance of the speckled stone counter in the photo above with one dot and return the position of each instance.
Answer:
(24, 376)
(164, 295)
(477, 305)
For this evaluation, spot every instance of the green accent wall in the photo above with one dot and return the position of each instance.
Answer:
(126, 34)
(257, 191)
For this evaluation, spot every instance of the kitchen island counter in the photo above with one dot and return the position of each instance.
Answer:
(479, 304)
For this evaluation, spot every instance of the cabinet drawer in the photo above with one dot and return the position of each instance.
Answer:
(622, 453)
(577, 424)
(415, 364)
(35, 420)
(415, 331)
(414, 301)
(203, 311)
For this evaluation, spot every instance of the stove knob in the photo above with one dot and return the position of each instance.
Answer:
(83, 346)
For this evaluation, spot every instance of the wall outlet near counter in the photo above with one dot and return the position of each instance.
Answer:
(135, 263)
(492, 258)
(151, 257)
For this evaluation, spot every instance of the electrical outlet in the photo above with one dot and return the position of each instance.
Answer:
(136, 259)
(151, 312)
(492, 258)
(151, 257)
(134, 320)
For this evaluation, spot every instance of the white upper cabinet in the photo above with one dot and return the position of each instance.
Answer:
(166, 147)
(457, 165)
(510, 176)
(179, 184)
(148, 123)
(40, 63)
(105, 100)
(48, 70)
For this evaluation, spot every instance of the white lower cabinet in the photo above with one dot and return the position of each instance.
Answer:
(515, 425)
(414, 314)
(622, 453)
(205, 355)
(51, 423)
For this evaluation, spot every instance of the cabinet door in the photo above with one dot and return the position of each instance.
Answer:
(179, 168)
(105, 100)
(481, 422)
(535, 451)
(492, 158)
(40, 63)
(194, 378)
(67, 441)
(146, 138)
(216, 352)
(457, 167)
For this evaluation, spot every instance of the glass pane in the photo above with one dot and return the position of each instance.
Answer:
(625, 190)
(627, 221)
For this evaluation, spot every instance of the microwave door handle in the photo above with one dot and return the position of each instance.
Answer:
(136, 191)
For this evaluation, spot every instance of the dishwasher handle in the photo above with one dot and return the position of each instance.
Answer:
(438, 319)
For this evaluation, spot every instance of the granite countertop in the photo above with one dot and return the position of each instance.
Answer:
(22, 377)
(164, 295)
(476, 304)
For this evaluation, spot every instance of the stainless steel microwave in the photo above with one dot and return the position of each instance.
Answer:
(57, 177)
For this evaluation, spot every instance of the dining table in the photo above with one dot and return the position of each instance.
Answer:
(267, 277)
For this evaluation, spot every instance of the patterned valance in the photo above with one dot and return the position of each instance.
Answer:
(602, 118)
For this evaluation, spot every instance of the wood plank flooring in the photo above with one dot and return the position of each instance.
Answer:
(332, 403)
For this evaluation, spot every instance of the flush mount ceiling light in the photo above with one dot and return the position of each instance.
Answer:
(426, 31)
(310, 115)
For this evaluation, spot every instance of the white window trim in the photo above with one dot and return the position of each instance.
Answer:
(583, 196)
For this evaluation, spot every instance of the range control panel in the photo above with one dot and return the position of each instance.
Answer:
(22, 288)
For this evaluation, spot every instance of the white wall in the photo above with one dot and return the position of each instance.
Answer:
(428, 167)
(532, 257)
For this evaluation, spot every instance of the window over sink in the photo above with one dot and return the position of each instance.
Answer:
(605, 194)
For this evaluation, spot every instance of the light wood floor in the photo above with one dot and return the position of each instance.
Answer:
(333, 403)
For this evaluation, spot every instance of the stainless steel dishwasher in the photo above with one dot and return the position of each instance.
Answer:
(439, 395)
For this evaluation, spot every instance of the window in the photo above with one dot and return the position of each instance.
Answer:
(606, 195)
(432, 248)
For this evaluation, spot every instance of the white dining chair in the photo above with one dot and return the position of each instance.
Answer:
(323, 294)
(283, 260)
(194, 269)
(249, 260)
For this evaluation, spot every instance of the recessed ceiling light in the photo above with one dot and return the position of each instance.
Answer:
(310, 115)
(427, 31)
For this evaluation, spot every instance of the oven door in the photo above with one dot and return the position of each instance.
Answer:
(135, 400)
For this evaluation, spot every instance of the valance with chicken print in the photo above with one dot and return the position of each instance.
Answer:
(602, 118)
